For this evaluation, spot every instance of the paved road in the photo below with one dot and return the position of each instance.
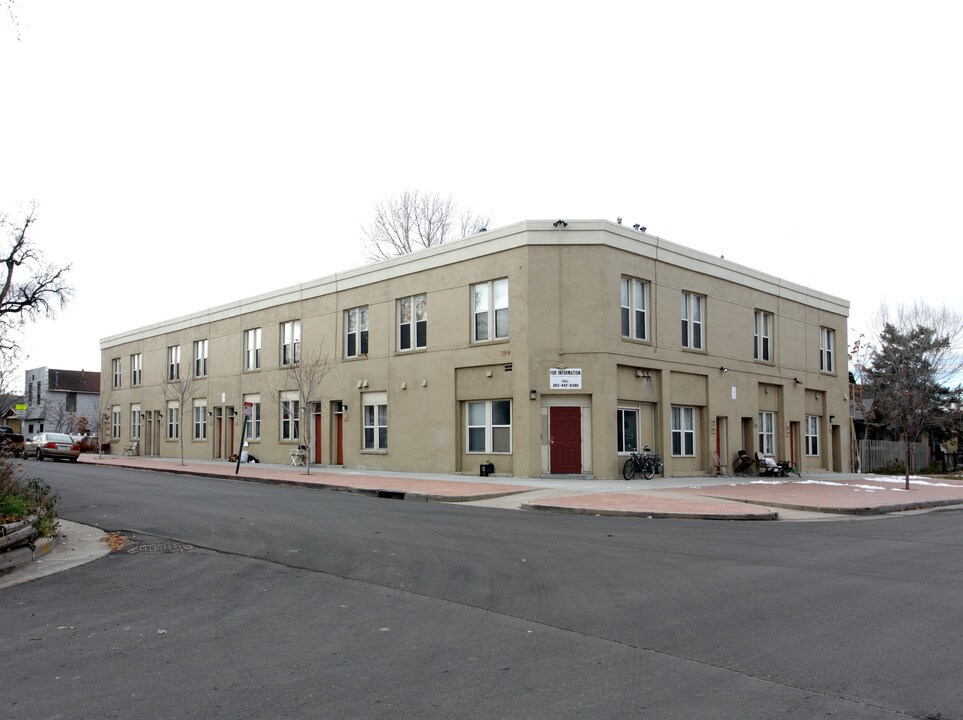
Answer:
(304, 603)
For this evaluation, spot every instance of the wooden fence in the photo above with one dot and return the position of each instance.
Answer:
(877, 454)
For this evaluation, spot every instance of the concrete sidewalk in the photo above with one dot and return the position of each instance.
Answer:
(739, 498)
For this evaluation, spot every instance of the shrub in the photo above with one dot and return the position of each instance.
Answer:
(21, 497)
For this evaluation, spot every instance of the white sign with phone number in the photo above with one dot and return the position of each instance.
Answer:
(565, 379)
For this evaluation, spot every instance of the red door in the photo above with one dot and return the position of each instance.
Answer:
(339, 418)
(318, 458)
(565, 424)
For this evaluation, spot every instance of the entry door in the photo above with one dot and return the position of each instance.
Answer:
(339, 445)
(318, 457)
(149, 434)
(565, 425)
(218, 432)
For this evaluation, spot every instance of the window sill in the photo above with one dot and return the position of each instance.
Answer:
(374, 452)
(493, 341)
(635, 340)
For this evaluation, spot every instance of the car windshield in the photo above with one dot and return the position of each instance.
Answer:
(58, 437)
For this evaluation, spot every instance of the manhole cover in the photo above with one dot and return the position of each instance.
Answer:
(168, 546)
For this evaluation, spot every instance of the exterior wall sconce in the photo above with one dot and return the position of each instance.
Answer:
(533, 394)
(832, 418)
(797, 381)
(560, 223)
(723, 369)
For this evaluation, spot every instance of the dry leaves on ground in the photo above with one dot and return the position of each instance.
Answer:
(115, 541)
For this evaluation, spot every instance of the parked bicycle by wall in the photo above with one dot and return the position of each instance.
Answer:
(646, 465)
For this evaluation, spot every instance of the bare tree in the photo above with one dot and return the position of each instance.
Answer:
(180, 390)
(415, 220)
(302, 379)
(30, 287)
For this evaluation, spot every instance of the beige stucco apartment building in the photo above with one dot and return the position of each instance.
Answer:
(541, 348)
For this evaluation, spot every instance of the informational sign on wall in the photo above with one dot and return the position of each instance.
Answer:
(565, 379)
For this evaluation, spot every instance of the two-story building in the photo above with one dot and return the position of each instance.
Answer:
(60, 400)
(544, 348)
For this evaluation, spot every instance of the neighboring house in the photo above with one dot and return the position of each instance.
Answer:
(543, 348)
(58, 399)
(10, 416)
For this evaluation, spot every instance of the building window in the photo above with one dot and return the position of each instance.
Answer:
(290, 415)
(693, 308)
(200, 419)
(135, 369)
(115, 422)
(762, 336)
(628, 430)
(767, 433)
(173, 362)
(252, 349)
(115, 372)
(490, 426)
(135, 422)
(173, 420)
(635, 309)
(812, 435)
(827, 342)
(356, 331)
(375, 410)
(413, 322)
(70, 402)
(200, 358)
(683, 432)
(291, 342)
(252, 428)
(490, 300)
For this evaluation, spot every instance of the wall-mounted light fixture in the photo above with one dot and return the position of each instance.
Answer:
(832, 418)
(724, 369)
(560, 223)
(797, 381)
(533, 394)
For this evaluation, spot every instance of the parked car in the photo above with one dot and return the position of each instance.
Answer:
(52, 445)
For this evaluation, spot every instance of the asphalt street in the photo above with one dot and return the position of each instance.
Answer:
(294, 602)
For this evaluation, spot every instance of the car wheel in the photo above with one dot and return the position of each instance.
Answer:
(39, 455)
(73, 459)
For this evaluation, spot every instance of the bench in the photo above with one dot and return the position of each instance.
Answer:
(131, 449)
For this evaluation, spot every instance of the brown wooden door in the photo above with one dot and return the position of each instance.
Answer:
(565, 424)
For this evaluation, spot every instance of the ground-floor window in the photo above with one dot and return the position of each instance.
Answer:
(173, 420)
(200, 419)
(683, 431)
(135, 416)
(767, 433)
(628, 430)
(812, 435)
(252, 428)
(489, 426)
(375, 411)
(115, 422)
(290, 415)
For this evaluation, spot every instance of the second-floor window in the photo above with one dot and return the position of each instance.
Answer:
(762, 336)
(136, 362)
(252, 349)
(693, 310)
(291, 342)
(827, 342)
(635, 308)
(200, 358)
(490, 310)
(413, 322)
(356, 331)
(173, 362)
(115, 372)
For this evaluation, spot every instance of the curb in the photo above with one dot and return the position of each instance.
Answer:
(653, 514)
(25, 555)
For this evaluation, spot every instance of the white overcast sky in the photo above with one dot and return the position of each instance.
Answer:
(187, 154)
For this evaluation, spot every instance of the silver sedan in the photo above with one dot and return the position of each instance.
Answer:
(52, 445)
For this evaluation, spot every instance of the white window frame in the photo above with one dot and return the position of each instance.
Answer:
(490, 300)
(683, 431)
(634, 311)
(136, 366)
(173, 362)
(116, 371)
(200, 358)
(290, 416)
(762, 336)
(356, 332)
(693, 321)
(486, 431)
(374, 416)
(812, 435)
(115, 422)
(200, 419)
(135, 413)
(627, 416)
(413, 322)
(827, 349)
(252, 428)
(767, 432)
(290, 342)
(173, 420)
(252, 349)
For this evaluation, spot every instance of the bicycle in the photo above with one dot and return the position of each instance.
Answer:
(644, 464)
